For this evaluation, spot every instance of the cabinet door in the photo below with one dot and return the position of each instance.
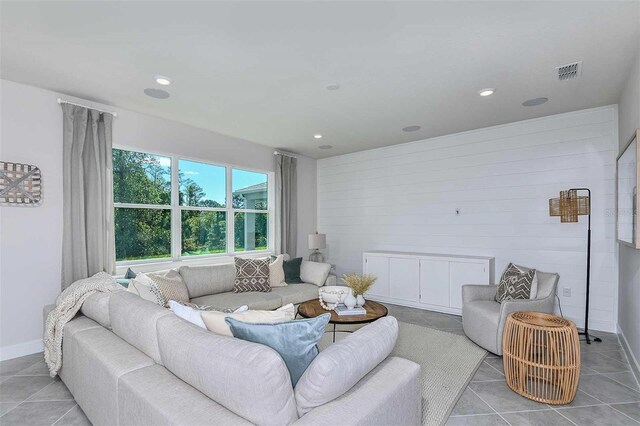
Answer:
(434, 282)
(378, 266)
(404, 277)
(462, 273)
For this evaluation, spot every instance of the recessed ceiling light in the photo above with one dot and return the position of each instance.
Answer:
(487, 92)
(317, 136)
(162, 80)
(157, 93)
(333, 86)
(534, 102)
(411, 128)
(325, 146)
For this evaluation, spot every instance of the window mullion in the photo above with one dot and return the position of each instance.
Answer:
(230, 217)
(176, 219)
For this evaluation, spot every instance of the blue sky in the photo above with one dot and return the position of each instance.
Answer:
(212, 178)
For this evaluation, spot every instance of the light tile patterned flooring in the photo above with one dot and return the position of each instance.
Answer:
(608, 393)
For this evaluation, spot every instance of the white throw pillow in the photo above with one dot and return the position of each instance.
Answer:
(144, 287)
(214, 321)
(187, 313)
(276, 272)
(314, 272)
(193, 315)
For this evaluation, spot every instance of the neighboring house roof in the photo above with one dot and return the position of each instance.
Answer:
(259, 187)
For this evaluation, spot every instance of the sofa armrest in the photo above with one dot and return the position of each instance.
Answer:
(471, 292)
(391, 394)
(331, 280)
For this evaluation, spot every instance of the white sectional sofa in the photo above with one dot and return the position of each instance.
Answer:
(129, 361)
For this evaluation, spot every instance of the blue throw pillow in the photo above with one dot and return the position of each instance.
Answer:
(296, 341)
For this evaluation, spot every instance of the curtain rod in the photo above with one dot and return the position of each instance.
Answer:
(62, 101)
(286, 154)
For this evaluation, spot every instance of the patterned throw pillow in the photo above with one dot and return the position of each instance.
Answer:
(251, 275)
(169, 286)
(515, 284)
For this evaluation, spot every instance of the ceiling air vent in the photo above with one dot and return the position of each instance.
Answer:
(569, 71)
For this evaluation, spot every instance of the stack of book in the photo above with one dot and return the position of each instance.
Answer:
(343, 310)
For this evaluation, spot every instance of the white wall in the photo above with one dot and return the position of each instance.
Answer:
(404, 198)
(31, 238)
(629, 259)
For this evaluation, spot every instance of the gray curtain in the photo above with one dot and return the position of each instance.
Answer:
(88, 243)
(286, 205)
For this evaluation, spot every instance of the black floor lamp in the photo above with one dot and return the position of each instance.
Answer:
(569, 206)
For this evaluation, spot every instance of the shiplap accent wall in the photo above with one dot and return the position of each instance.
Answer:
(404, 198)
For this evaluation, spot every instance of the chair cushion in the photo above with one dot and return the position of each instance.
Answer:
(314, 272)
(295, 341)
(341, 366)
(210, 279)
(297, 293)
(254, 300)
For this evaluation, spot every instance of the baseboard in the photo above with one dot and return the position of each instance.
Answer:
(21, 349)
(633, 362)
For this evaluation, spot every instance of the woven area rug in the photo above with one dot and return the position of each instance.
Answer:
(448, 363)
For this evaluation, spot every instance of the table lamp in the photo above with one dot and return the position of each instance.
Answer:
(317, 242)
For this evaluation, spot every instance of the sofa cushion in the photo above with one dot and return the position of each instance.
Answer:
(215, 321)
(210, 279)
(251, 275)
(143, 286)
(276, 272)
(292, 270)
(297, 293)
(94, 358)
(171, 286)
(295, 341)
(254, 300)
(96, 307)
(154, 396)
(339, 367)
(247, 378)
(134, 320)
(314, 272)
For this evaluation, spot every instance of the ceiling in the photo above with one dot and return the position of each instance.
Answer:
(259, 71)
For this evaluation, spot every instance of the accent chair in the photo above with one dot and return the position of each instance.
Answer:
(483, 318)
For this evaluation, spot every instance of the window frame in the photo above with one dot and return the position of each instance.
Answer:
(176, 211)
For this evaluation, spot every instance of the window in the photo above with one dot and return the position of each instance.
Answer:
(167, 207)
(251, 224)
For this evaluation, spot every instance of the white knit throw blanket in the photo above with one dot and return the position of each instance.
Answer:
(68, 304)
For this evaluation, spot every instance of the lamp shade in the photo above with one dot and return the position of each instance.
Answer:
(317, 241)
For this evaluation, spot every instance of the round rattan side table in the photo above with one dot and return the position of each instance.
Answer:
(541, 357)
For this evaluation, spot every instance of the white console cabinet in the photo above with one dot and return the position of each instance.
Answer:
(425, 280)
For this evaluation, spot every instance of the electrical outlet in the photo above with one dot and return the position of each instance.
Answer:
(457, 212)
(566, 292)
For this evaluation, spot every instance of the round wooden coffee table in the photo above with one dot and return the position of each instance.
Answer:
(312, 309)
